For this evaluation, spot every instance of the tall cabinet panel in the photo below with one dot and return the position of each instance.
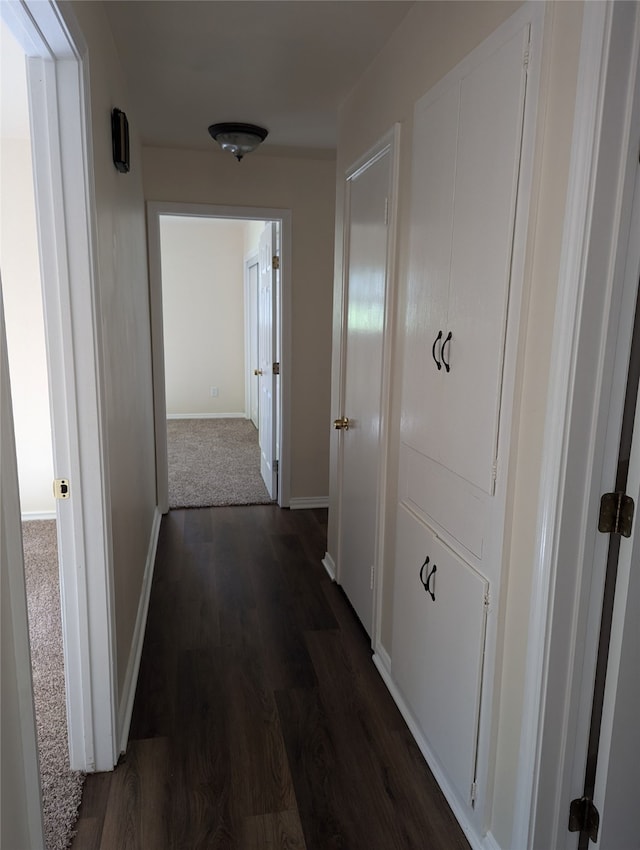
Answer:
(487, 165)
(466, 156)
(431, 236)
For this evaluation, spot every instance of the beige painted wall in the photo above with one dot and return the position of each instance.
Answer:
(431, 41)
(124, 310)
(19, 264)
(203, 313)
(306, 187)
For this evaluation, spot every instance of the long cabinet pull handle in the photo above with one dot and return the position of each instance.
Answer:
(447, 340)
(429, 577)
(422, 568)
(433, 351)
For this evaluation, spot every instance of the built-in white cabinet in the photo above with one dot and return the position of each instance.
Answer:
(439, 621)
(469, 210)
(466, 157)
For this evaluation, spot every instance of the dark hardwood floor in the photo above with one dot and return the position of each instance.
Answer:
(260, 721)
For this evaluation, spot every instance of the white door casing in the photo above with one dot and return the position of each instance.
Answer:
(252, 283)
(267, 354)
(367, 199)
(593, 326)
(59, 108)
(615, 791)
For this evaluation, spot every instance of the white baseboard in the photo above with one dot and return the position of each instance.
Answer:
(131, 677)
(305, 502)
(381, 656)
(27, 516)
(329, 565)
(477, 842)
(242, 415)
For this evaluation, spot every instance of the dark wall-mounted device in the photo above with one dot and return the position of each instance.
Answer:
(120, 140)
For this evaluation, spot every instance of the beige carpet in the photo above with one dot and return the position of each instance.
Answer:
(61, 787)
(214, 462)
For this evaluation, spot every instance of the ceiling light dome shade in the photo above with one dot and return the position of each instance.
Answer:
(238, 139)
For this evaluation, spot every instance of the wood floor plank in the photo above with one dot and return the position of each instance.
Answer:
(315, 767)
(95, 798)
(311, 606)
(201, 813)
(277, 831)
(260, 777)
(139, 793)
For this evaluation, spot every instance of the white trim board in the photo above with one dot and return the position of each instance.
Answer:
(60, 121)
(133, 666)
(590, 319)
(33, 516)
(242, 415)
(297, 503)
(330, 567)
(154, 210)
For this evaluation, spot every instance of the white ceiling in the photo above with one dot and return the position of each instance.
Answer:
(284, 65)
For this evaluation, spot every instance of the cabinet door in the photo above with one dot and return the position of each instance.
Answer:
(438, 646)
(433, 177)
(486, 184)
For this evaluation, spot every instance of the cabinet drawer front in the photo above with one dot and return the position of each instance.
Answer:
(444, 498)
(438, 646)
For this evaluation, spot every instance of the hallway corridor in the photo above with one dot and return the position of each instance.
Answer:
(260, 721)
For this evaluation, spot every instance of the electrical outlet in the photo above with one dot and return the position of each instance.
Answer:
(214, 392)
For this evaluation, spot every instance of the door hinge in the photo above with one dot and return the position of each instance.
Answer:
(275, 368)
(616, 514)
(276, 466)
(61, 488)
(584, 817)
(474, 793)
(275, 262)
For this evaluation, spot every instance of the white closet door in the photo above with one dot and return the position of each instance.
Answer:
(486, 183)
(438, 646)
(433, 177)
(365, 291)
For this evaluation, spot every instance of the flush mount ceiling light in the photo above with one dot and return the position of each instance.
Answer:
(238, 139)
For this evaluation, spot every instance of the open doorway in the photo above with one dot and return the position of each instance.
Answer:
(213, 328)
(220, 307)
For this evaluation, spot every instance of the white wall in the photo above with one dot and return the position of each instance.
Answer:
(21, 285)
(123, 309)
(203, 313)
(307, 188)
(252, 231)
(430, 41)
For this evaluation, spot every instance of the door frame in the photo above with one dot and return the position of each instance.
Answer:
(250, 260)
(59, 93)
(592, 336)
(389, 142)
(155, 209)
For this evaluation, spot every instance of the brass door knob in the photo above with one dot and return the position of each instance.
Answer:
(258, 372)
(341, 424)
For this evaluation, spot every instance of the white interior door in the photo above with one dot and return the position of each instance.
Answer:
(267, 328)
(365, 289)
(253, 274)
